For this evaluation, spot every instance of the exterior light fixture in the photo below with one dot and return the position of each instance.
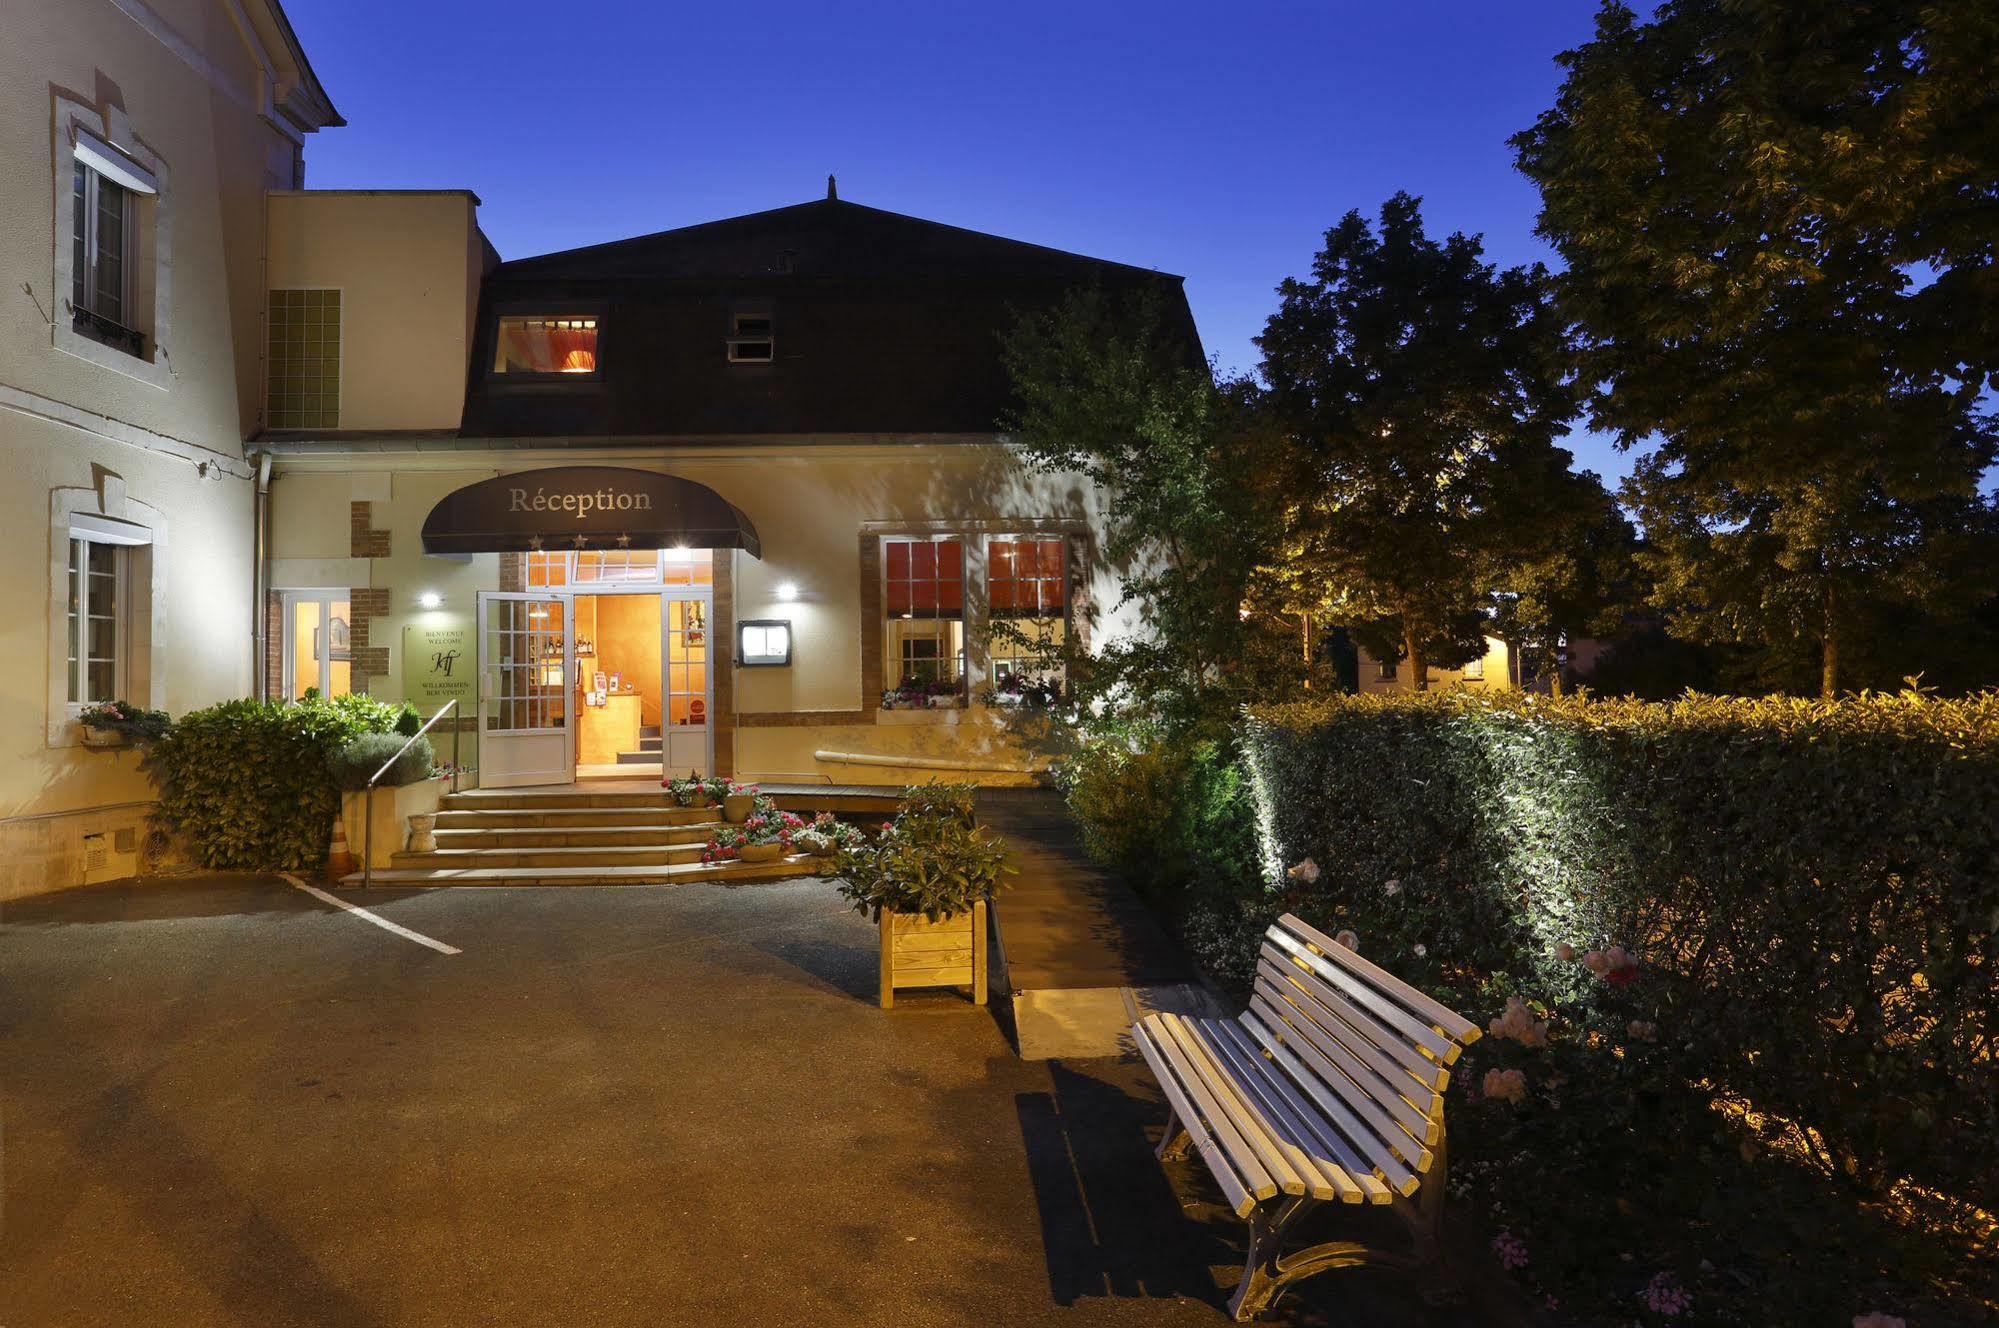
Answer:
(430, 599)
(787, 591)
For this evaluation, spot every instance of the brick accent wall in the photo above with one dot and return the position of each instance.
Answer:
(722, 658)
(274, 645)
(370, 661)
(513, 571)
(871, 624)
(363, 540)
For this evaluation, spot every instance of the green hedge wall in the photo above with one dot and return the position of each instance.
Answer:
(246, 785)
(1811, 894)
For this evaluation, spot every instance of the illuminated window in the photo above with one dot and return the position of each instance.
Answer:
(304, 367)
(526, 345)
(1475, 670)
(1027, 598)
(1385, 670)
(923, 640)
(318, 644)
(586, 567)
(751, 340)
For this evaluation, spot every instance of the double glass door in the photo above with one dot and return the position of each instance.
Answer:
(531, 690)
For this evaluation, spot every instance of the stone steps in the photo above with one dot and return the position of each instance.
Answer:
(672, 875)
(570, 818)
(537, 856)
(574, 836)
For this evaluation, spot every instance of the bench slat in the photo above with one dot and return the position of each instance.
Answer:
(1352, 1181)
(1446, 1020)
(1369, 998)
(1227, 1127)
(1241, 1201)
(1283, 1135)
(1409, 1145)
(1380, 1158)
(1250, 1122)
(1353, 1025)
(1388, 1093)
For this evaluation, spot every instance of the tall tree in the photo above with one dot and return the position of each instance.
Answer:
(1780, 224)
(1106, 389)
(1423, 390)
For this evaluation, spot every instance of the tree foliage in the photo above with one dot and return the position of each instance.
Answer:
(1422, 391)
(1778, 223)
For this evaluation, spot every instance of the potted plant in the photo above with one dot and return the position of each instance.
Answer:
(826, 836)
(764, 836)
(120, 723)
(926, 880)
(738, 801)
(695, 790)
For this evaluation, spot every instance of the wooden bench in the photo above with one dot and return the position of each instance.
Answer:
(1328, 1089)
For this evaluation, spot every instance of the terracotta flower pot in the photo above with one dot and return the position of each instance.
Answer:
(738, 806)
(761, 852)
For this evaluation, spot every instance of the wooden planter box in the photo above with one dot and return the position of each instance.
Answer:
(917, 952)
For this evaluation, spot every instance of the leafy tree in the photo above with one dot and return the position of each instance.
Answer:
(1779, 223)
(1423, 389)
(1111, 390)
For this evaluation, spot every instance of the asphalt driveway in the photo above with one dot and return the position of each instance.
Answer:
(229, 1102)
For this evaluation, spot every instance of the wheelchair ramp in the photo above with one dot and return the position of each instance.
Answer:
(1078, 956)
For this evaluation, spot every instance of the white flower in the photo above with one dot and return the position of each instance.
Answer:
(1391, 887)
(1306, 871)
(1421, 949)
(1349, 940)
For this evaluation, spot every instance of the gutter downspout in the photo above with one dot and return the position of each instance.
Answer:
(260, 579)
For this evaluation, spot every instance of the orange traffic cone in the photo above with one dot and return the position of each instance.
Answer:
(339, 858)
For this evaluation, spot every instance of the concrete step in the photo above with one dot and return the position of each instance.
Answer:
(629, 855)
(649, 731)
(565, 836)
(575, 796)
(675, 875)
(465, 818)
(640, 757)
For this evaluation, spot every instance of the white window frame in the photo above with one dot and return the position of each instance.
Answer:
(326, 598)
(1387, 669)
(93, 248)
(106, 516)
(103, 142)
(966, 542)
(1474, 670)
(77, 684)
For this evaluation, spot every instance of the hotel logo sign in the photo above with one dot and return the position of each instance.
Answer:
(438, 666)
(585, 507)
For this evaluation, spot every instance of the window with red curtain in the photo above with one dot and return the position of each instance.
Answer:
(1024, 578)
(545, 345)
(923, 641)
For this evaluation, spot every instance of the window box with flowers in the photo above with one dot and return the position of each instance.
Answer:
(120, 724)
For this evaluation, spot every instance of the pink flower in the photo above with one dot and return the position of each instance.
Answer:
(1506, 1085)
(1510, 1249)
(1349, 940)
(1878, 1319)
(1665, 1297)
(1615, 965)
(1642, 1030)
(1306, 871)
(1565, 952)
(1421, 950)
(1519, 1024)
(1391, 887)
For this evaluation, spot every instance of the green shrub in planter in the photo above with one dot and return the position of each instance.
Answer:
(926, 861)
(245, 784)
(939, 799)
(408, 722)
(355, 762)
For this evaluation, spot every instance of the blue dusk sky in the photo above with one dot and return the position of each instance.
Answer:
(1218, 141)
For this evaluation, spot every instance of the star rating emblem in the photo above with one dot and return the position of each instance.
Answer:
(581, 541)
(534, 543)
(624, 541)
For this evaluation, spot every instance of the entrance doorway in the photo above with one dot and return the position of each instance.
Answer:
(595, 681)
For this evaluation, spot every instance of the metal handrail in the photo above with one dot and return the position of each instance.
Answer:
(368, 804)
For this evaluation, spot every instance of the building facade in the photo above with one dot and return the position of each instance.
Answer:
(732, 498)
(138, 140)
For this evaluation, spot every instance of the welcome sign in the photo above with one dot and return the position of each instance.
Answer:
(586, 507)
(438, 666)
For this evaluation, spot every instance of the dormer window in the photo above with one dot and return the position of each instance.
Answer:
(750, 337)
(545, 345)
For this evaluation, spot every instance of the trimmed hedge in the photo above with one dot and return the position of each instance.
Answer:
(246, 784)
(1811, 893)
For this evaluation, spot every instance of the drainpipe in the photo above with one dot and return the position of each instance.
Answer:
(260, 577)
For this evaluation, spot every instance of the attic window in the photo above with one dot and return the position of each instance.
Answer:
(530, 345)
(750, 339)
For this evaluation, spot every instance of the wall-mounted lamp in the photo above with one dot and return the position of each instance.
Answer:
(787, 591)
(430, 599)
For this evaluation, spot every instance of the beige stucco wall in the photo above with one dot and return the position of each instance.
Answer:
(406, 264)
(809, 505)
(175, 81)
(1500, 674)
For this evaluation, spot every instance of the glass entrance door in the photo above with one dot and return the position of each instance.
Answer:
(687, 686)
(527, 657)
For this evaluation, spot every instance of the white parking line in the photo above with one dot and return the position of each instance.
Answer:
(375, 918)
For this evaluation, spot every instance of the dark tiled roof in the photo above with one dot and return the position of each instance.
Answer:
(882, 323)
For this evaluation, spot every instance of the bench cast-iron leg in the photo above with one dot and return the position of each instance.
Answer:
(1173, 1144)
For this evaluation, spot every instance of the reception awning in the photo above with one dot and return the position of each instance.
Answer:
(586, 507)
